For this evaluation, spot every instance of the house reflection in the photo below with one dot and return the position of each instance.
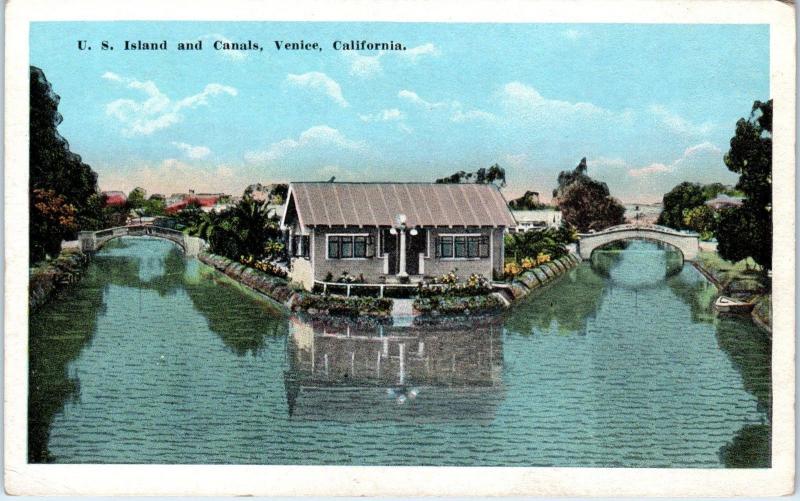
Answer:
(422, 372)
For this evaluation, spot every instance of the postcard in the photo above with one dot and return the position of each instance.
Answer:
(400, 248)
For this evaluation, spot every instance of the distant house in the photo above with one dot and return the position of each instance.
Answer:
(389, 231)
(723, 201)
(205, 202)
(114, 198)
(536, 219)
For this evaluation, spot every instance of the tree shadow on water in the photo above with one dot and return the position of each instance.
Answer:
(58, 333)
(750, 352)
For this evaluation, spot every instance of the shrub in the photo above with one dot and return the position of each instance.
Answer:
(347, 278)
(457, 305)
(343, 306)
(448, 285)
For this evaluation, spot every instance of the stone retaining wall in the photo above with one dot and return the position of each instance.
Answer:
(526, 282)
(48, 278)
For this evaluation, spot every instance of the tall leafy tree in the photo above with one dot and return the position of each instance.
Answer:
(586, 203)
(683, 197)
(136, 198)
(51, 218)
(54, 168)
(748, 229)
(493, 175)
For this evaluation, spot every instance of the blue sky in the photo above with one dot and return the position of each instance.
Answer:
(648, 105)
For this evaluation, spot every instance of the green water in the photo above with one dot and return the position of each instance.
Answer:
(156, 359)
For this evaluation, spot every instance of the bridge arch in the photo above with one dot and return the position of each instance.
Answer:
(687, 243)
(92, 241)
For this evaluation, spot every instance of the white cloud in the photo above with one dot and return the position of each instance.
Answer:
(320, 82)
(571, 34)
(388, 115)
(363, 66)
(457, 113)
(108, 75)
(369, 66)
(319, 136)
(157, 111)
(472, 115)
(195, 152)
(703, 155)
(655, 168)
(526, 102)
(235, 55)
(415, 53)
(413, 97)
(677, 123)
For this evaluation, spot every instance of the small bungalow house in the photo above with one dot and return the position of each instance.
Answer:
(386, 232)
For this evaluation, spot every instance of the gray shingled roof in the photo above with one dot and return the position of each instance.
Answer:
(377, 204)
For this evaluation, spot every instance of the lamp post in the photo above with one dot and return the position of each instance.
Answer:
(400, 227)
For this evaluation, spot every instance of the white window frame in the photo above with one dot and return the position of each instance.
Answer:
(467, 235)
(328, 258)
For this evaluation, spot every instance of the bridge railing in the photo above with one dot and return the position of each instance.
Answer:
(641, 227)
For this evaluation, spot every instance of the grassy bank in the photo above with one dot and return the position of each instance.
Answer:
(741, 280)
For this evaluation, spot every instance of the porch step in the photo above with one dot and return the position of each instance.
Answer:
(402, 312)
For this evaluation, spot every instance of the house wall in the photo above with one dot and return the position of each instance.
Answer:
(371, 268)
(482, 266)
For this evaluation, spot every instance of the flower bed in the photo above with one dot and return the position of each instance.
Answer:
(457, 305)
(314, 304)
(49, 277)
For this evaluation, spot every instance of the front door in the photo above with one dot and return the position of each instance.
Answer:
(415, 245)
(390, 245)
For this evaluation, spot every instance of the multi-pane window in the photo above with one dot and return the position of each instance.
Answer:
(349, 246)
(300, 246)
(462, 246)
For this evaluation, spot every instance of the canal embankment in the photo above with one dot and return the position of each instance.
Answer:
(535, 277)
(431, 302)
(739, 280)
(46, 279)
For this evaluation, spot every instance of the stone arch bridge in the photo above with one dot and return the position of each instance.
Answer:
(91, 241)
(686, 242)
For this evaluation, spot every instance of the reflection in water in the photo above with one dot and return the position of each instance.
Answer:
(153, 358)
(345, 373)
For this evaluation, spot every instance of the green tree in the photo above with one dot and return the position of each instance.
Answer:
(683, 197)
(54, 171)
(586, 203)
(154, 207)
(700, 219)
(530, 243)
(493, 175)
(53, 167)
(569, 177)
(748, 229)
(242, 230)
(528, 201)
(733, 233)
(136, 198)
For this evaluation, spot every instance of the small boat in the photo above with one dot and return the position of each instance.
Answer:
(725, 304)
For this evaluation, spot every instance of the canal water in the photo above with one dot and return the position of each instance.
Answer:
(154, 358)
